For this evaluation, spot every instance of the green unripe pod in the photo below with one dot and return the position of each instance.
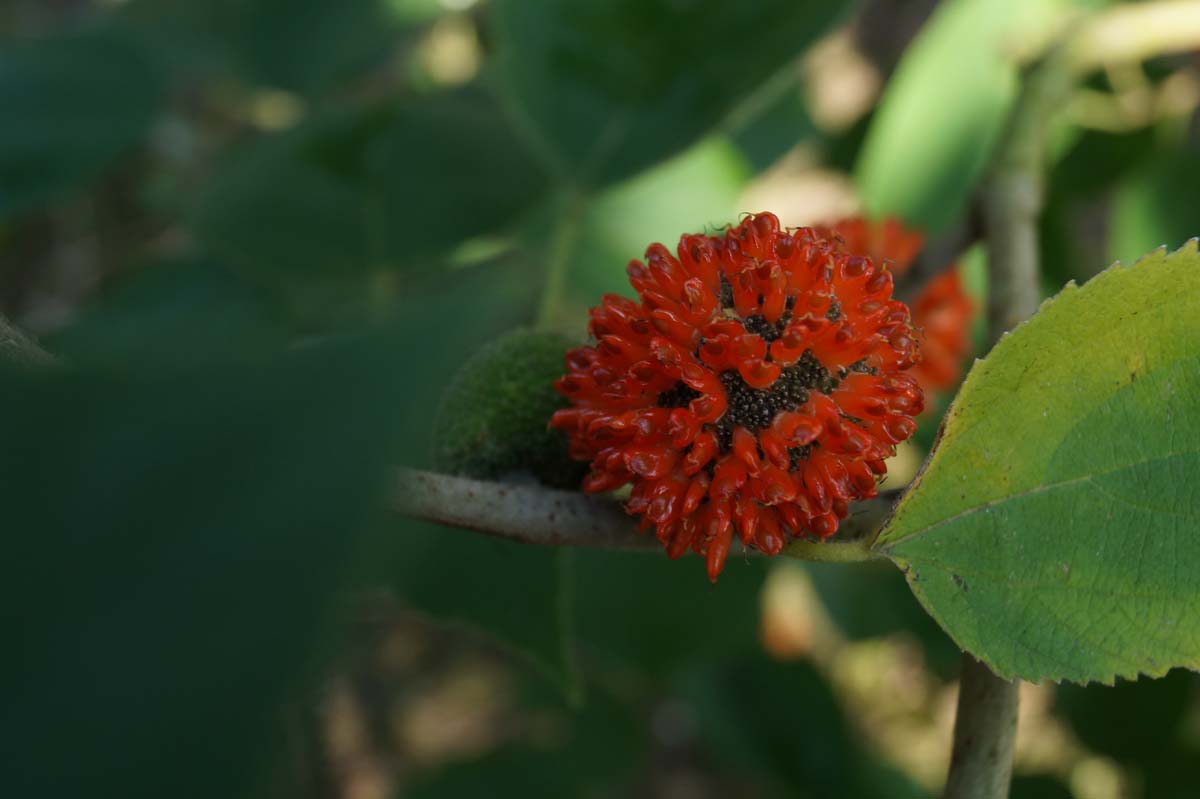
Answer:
(493, 417)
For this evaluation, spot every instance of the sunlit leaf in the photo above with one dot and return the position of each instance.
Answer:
(1052, 534)
(943, 110)
(696, 191)
(1156, 205)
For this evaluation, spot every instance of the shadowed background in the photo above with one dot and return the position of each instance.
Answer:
(264, 235)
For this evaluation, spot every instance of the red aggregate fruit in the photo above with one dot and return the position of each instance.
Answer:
(752, 391)
(942, 312)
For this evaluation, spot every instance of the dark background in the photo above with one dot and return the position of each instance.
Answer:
(264, 235)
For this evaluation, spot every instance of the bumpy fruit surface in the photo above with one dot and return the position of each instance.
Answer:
(942, 312)
(753, 390)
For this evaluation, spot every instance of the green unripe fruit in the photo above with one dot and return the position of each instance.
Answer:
(494, 415)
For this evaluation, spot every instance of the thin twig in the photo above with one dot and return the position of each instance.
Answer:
(985, 731)
(937, 254)
(1011, 197)
(518, 511)
(533, 514)
(1133, 33)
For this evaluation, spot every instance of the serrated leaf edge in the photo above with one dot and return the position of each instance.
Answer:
(1152, 670)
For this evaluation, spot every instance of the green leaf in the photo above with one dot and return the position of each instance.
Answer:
(1148, 727)
(596, 750)
(310, 47)
(1052, 533)
(872, 600)
(71, 105)
(1156, 206)
(776, 127)
(618, 591)
(306, 45)
(175, 544)
(695, 191)
(612, 86)
(369, 188)
(1099, 169)
(445, 319)
(780, 724)
(279, 206)
(1130, 720)
(447, 169)
(941, 113)
(171, 313)
(514, 594)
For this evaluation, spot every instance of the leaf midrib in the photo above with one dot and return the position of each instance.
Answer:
(1039, 489)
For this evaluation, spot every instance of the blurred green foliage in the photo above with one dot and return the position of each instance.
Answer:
(612, 86)
(263, 236)
(175, 547)
(72, 103)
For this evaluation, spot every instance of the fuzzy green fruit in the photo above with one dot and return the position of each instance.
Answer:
(494, 415)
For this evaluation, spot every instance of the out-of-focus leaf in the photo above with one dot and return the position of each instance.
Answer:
(1078, 203)
(841, 150)
(449, 168)
(173, 543)
(444, 318)
(694, 192)
(872, 600)
(1146, 726)
(1067, 550)
(941, 113)
(612, 86)
(775, 128)
(415, 11)
(276, 209)
(307, 45)
(1099, 158)
(1157, 205)
(1039, 787)
(1131, 720)
(781, 724)
(71, 105)
(641, 611)
(173, 314)
(352, 193)
(516, 594)
(304, 46)
(595, 752)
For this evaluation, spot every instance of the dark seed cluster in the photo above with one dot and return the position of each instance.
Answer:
(755, 409)
(678, 396)
(759, 325)
(726, 297)
(798, 454)
(860, 366)
(809, 372)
